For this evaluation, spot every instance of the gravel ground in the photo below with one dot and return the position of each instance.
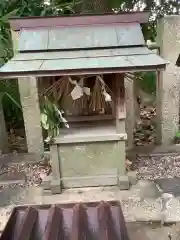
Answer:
(156, 167)
(32, 174)
(138, 213)
(25, 192)
(145, 132)
(135, 208)
(152, 167)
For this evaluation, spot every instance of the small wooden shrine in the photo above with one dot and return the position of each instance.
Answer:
(87, 58)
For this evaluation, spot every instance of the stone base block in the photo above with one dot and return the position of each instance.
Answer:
(132, 177)
(97, 161)
(56, 186)
(123, 182)
(47, 182)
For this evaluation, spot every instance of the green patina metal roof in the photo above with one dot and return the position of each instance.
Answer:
(126, 58)
(79, 50)
(81, 37)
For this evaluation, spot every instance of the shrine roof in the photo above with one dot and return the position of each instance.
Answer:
(104, 43)
(78, 20)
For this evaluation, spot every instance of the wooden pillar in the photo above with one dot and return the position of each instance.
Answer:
(32, 120)
(119, 103)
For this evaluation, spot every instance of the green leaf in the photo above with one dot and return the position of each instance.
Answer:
(13, 100)
(6, 17)
(52, 118)
(43, 118)
(178, 134)
(44, 121)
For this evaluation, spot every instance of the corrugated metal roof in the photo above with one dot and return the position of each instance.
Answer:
(98, 220)
(125, 58)
(97, 36)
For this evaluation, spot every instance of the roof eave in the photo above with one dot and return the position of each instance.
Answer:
(82, 71)
(75, 20)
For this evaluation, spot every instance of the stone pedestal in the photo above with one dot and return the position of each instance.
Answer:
(31, 112)
(88, 158)
(169, 80)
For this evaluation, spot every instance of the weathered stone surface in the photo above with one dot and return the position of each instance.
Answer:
(134, 208)
(89, 161)
(132, 177)
(130, 111)
(46, 184)
(56, 186)
(12, 178)
(151, 231)
(123, 182)
(170, 185)
(23, 158)
(147, 189)
(168, 87)
(30, 103)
